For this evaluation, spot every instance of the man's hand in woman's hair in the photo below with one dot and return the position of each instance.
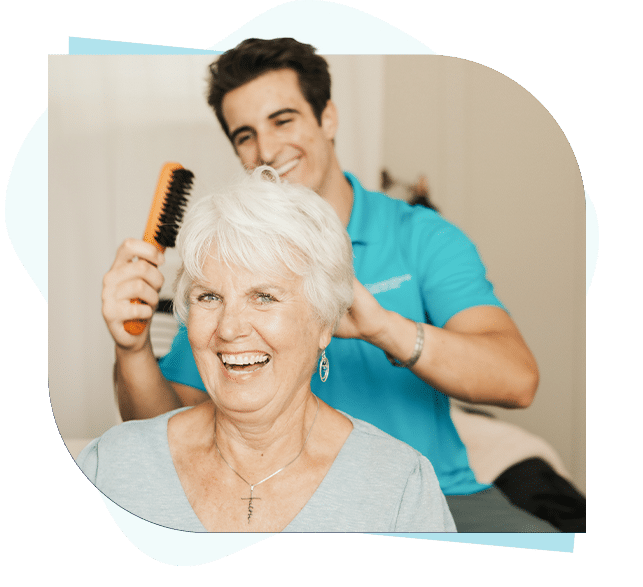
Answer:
(365, 319)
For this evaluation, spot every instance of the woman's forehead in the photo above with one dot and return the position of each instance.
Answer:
(215, 271)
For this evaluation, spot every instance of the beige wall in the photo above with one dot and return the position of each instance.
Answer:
(501, 169)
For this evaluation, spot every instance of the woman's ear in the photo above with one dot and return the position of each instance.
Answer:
(325, 337)
(329, 120)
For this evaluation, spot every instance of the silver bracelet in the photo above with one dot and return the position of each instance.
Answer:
(417, 351)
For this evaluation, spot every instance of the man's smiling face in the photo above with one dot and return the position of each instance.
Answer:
(271, 123)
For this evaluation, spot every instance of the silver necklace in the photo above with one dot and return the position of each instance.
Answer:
(253, 485)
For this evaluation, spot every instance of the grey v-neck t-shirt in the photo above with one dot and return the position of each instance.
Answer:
(376, 483)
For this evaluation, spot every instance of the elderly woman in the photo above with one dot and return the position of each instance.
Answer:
(266, 276)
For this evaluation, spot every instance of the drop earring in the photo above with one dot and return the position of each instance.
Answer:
(324, 367)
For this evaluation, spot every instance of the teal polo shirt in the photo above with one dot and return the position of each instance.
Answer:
(419, 265)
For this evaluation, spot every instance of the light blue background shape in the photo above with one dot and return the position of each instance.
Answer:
(30, 170)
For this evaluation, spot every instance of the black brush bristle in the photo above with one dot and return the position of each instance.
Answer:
(174, 207)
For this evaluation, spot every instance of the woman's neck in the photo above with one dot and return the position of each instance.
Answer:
(254, 447)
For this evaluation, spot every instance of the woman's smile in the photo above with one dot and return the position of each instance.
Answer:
(244, 362)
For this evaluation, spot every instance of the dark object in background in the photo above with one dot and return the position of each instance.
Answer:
(534, 486)
(166, 306)
(422, 201)
(163, 328)
(418, 193)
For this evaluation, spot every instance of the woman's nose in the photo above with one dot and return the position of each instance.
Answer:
(232, 323)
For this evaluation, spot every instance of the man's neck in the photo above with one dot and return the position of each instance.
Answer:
(338, 192)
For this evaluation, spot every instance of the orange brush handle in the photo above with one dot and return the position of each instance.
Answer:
(137, 326)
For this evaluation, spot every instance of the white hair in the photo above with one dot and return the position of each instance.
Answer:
(264, 225)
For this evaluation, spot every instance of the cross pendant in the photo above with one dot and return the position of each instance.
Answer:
(250, 500)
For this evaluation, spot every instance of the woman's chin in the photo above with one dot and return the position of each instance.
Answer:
(245, 392)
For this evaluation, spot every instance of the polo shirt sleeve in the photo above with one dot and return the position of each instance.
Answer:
(178, 365)
(453, 277)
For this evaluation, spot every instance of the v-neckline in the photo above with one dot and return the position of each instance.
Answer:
(328, 478)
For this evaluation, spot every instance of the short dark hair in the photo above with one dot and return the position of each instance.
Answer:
(254, 57)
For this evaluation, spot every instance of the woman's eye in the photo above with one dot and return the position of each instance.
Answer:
(265, 298)
(207, 298)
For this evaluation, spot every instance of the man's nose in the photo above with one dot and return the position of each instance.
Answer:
(269, 147)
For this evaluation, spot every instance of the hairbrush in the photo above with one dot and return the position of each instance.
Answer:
(166, 214)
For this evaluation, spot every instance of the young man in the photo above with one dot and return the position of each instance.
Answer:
(425, 324)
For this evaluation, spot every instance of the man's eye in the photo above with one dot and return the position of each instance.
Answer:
(242, 139)
(283, 121)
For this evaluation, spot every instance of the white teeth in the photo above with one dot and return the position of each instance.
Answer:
(286, 167)
(243, 359)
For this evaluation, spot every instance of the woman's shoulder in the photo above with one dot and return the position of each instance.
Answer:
(397, 474)
(376, 484)
(147, 429)
(126, 441)
(381, 450)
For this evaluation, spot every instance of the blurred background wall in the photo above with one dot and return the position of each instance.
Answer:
(497, 165)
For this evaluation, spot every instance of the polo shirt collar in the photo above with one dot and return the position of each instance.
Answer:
(362, 226)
